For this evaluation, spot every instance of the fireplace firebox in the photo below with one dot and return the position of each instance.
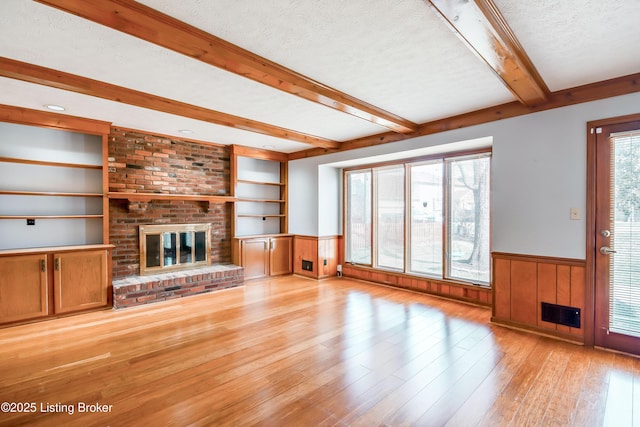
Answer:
(174, 247)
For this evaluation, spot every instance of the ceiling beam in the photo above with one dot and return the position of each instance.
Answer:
(586, 93)
(60, 80)
(49, 119)
(479, 24)
(155, 27)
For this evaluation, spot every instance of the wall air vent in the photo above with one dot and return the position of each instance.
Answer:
(561, 314)
(307, 265)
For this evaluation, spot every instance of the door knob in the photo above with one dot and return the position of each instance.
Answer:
(606, 250)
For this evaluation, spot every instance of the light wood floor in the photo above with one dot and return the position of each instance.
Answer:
(297, 352)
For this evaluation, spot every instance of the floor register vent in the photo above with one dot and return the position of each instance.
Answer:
(561, 314)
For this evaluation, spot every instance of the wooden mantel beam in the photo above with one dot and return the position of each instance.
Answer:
(57, 79)
(148, 24)
(479, 24)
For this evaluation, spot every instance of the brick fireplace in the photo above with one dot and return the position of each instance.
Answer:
(145, 163)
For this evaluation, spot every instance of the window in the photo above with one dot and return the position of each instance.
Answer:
(428, 218)
(359, 217)
(389, 202)
(425, 247)
(468, 222)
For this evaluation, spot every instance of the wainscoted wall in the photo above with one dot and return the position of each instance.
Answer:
(318, 250)
(469, 293)
(141, 162)
(522, 282)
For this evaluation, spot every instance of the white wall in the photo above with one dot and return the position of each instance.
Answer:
(538, 174)
(303, 198)
(330, 214)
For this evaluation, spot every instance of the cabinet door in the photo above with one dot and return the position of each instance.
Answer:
(80, 280)
(255, 258)
(23, 287)
(280, 255)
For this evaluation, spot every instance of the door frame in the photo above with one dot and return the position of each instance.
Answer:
(590, 288)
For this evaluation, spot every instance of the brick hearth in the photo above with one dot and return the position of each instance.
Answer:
(138, 290)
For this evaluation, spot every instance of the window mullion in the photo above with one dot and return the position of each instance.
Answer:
(374, 218)
(446, 220)
(407, 218)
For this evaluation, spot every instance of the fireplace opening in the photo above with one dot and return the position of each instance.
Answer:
(174, 247)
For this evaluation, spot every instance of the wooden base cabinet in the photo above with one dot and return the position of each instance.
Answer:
(52, 282)
(264, 256)
(24, 288)
(80, 281)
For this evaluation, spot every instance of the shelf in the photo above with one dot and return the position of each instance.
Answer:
(48, 193)
(260, 236)
(45, 163)
(243, 199)
(261, 216)
(147, 197)
(245, 181)
(138, 201)
(49, 216)
(57, 249)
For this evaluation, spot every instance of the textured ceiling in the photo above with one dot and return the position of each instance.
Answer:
(573, 43)
(395, 54)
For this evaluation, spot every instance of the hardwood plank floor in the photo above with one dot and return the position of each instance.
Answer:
(297, 352)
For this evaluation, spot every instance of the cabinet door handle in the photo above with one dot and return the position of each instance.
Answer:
(57, 264)
(43, 265)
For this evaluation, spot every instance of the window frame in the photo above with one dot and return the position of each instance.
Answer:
(445, 159)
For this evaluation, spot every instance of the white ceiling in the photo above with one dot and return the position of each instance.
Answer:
(395, 54)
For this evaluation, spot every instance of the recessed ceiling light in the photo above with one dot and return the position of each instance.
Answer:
(268, 147)
(54, 107)
(186, 131)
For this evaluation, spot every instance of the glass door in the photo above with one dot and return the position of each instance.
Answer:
(617, 240)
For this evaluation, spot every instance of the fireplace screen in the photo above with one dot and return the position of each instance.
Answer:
(173, 247)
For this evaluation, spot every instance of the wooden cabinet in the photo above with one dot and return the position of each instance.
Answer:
(255, 258)
(259, 185)
(36, 283)
(80, 280)
(264, 256)
(54, 214)
(280, 253)
(24, 289)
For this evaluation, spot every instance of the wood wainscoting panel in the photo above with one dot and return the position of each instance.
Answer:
(564, 291)
(323, 252)
(578, 288)
(460, 291)
(502, 288)
(522, 282)
(328, 256)
(523, 292)
(305, 248)
(547, 289)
